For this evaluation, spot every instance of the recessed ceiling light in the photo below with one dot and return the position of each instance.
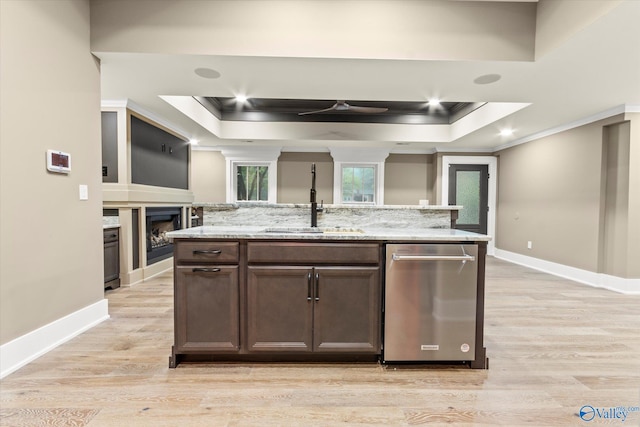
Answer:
(207, 73)
(506, 132)
(434, 102)
(487, 79)
(241, 98)
(193, 141)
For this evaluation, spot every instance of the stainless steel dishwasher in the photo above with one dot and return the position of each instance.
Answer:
(430, 302)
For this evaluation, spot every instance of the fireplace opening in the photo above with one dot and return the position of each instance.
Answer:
(159, 222)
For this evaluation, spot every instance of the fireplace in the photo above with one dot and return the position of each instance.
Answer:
(159, 222)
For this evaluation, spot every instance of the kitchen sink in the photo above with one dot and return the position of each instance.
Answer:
(314, 230)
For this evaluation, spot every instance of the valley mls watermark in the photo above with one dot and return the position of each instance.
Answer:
(620, 413)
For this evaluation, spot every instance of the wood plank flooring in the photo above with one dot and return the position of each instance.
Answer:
(554, 346)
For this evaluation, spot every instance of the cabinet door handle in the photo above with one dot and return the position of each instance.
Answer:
(308, 286)
(205, 270)
(210, 252)
(111, 236)
(317, 287)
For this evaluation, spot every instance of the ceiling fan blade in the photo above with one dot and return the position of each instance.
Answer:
(341, 106)
(317, 111)
(358, 109)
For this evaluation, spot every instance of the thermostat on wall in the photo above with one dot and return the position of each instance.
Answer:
(57, 161)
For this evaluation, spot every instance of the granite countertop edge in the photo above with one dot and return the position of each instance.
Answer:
(386, 234)
(228, 206)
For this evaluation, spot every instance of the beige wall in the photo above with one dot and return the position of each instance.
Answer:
(557, 21)
(633, 248)
(405, 179)
(294, 177)
(550, 193)
(412, 29)
(615, 199)
(408, 177)
(208, 170)
(51, 260)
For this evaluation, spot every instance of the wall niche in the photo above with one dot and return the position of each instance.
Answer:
(158, 158)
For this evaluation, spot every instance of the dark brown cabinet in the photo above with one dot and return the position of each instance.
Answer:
(276, 300)
(319, 309)
(111, 242)
(313, 297)
(207, 308)
(206, 298)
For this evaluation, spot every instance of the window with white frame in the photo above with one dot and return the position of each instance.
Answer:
(251, 174)
(252, 182)
(358, 175)
(358, 184)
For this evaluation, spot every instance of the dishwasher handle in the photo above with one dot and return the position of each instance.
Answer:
(397, 257)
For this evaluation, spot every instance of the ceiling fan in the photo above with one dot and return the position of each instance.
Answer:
(342, 106)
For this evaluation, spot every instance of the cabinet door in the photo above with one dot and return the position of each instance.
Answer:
(279, 309)
(347, 309)
(207, 308)
(111, 261)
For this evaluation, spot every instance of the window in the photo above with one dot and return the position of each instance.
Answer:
(358, 184)
(252, 174)
(358, 175)
(252, 183)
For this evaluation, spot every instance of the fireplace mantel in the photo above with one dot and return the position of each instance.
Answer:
(137, 194)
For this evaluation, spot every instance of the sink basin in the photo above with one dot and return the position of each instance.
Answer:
(314, 230)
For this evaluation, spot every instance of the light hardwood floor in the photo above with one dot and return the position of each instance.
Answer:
(553, 346)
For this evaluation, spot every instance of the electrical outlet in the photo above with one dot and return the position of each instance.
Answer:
(529, 244)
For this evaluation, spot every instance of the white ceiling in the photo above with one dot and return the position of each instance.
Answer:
(595, 72)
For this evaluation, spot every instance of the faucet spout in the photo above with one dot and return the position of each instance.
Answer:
(314, 204)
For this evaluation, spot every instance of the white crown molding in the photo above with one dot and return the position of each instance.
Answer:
(254, 154)
(359, 155)
(464, 150)
(127, 103)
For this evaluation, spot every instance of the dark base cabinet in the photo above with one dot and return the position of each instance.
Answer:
(207, 310)
(276, 301)
(252, 300)
(319, 309)
(111, 242)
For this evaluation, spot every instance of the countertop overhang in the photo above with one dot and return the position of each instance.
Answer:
(365, 234)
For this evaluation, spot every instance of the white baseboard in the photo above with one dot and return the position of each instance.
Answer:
(598, 280)
(25, 349)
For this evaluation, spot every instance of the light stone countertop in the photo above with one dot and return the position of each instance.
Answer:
(110, 222)
(223, 206)
(303, 233)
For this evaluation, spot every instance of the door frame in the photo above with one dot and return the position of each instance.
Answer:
(492, 163)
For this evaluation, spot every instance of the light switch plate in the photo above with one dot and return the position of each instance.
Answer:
(84, 192)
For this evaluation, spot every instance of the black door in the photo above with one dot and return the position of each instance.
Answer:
(469, 187)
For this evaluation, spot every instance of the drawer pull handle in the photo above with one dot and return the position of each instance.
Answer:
(210, 252)
(111, 236)
(206, 270)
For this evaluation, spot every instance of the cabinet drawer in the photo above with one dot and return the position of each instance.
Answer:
(206, 252)
(313, 253)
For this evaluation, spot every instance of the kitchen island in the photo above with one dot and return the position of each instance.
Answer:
(294, 293)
